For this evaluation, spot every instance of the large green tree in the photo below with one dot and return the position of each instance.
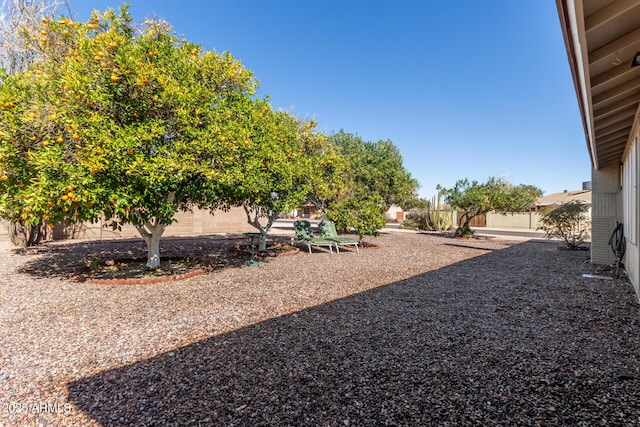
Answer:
(374, 179)
(274, 171)
(17, 18)
(331, 176)
(475, 198)
(376, 170)
(365, 216)
(126, 122)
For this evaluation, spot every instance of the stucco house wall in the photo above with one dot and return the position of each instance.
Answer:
(196, 222)
(601, 42)
(630, 206)
(532, 220)
(395, 213)
(606, 210)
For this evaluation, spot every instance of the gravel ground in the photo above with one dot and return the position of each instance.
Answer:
(424, 330)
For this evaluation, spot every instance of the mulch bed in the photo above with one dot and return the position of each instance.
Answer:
(273, 250)
(133, 271)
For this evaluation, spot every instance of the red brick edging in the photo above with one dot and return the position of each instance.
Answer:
(164, 279)
(148, 281)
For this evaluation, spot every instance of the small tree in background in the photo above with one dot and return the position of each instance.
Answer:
(365, 216)
(416, 214)
(416, 219)
(474, 198)
(570, 222)
(432, 215)
(418, 203)
(377, 170)
(274, 171)
(373, 179)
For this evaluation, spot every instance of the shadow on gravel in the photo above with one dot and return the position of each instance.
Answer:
(511, 337)
(460, 245)
(68, 259)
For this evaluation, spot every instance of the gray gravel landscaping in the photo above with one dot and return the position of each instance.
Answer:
(424, 330)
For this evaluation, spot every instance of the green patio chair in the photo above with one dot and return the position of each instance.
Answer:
(328, 231)
(304, 234)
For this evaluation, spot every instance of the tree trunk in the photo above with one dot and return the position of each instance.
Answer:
(18, 234)
(255, 222)
(464, 230)
(153, 251)
(22, 235)
(151, 234)
(262, 246)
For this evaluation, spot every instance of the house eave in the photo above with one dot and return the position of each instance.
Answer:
(601, 38)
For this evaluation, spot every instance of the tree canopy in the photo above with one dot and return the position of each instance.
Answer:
(275, 171)
(376, 169)
(474, 198)
(133, 123)
(129, 122)
(331, 174)
(373, 179)
(365, 216)
(15, 17)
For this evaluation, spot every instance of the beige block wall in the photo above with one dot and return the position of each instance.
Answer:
(193, 223)
(4, 231)
(525, 220)
(606, 209)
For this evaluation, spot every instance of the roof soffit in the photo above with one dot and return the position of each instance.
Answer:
(612, 37)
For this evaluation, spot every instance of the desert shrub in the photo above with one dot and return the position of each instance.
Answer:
(416, 219)
(570, 222)
(464, 231)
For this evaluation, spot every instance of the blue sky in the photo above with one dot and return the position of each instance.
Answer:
(465, 89)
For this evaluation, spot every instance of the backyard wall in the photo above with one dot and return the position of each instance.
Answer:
(4, 231)
(193, 223)
(526, 220)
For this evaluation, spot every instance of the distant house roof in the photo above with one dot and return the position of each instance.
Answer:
(565, 197)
